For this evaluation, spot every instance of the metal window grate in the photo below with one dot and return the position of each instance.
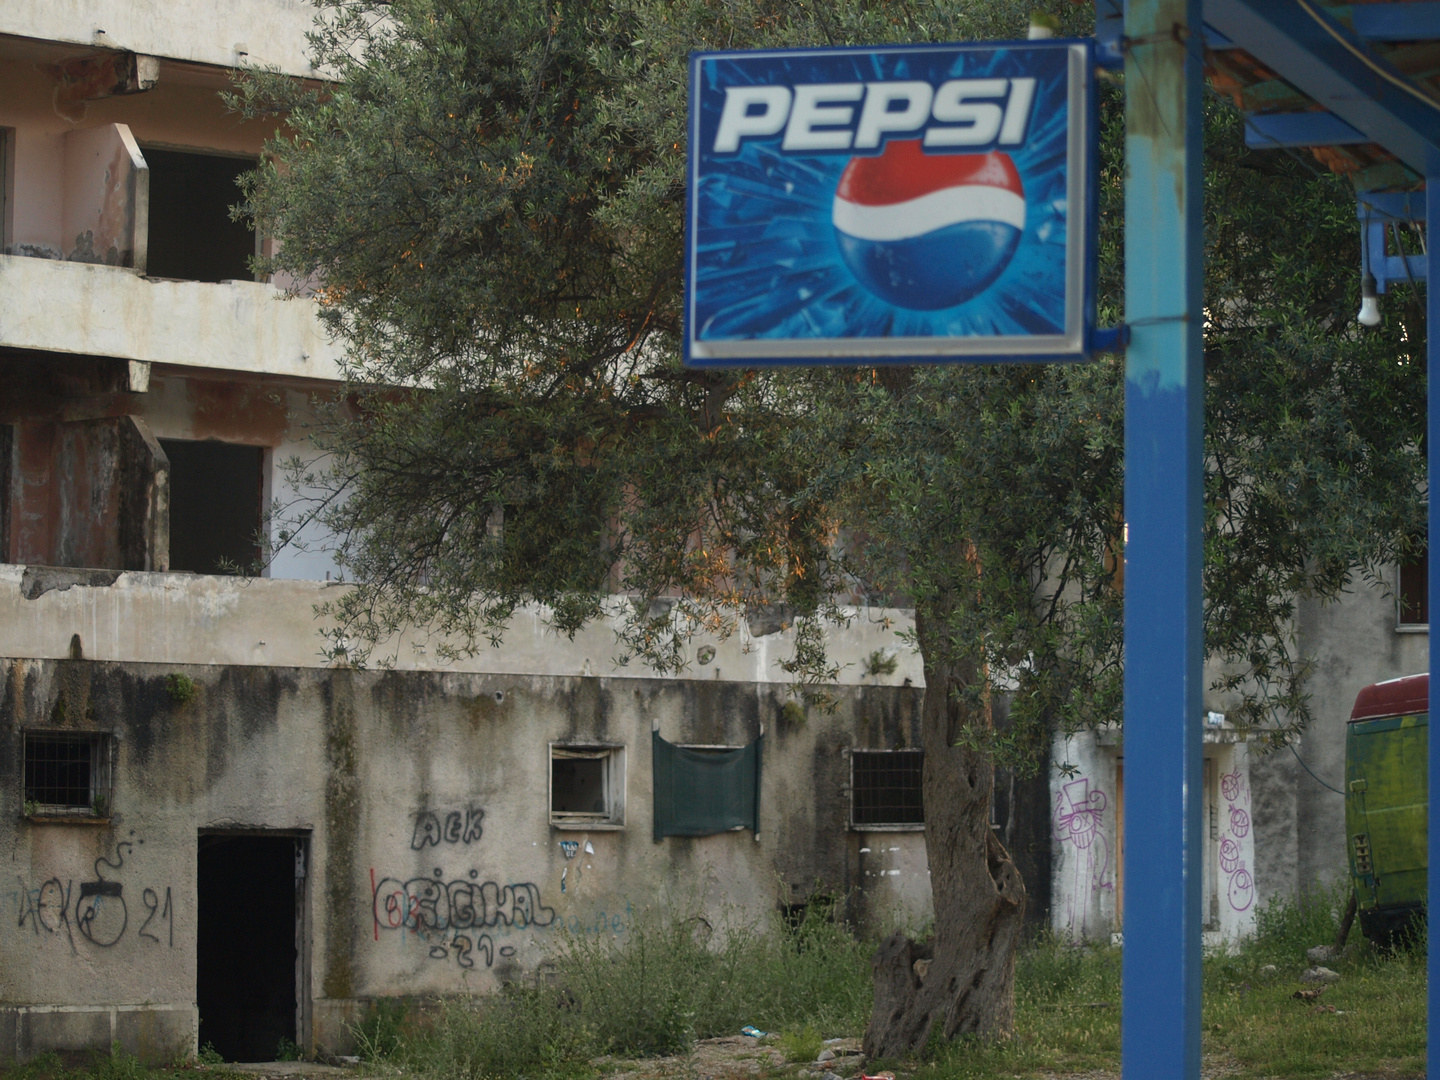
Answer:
(885, 787)
(65, 773)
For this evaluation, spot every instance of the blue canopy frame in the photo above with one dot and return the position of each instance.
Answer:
(1362, 97)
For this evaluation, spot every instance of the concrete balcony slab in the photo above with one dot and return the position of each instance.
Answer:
(91, 310)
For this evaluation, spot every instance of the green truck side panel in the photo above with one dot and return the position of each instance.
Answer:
(1387, 790)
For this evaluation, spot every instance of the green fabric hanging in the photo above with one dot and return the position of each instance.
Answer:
(702, 792)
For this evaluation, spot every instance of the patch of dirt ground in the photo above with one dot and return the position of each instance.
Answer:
(739, 1057)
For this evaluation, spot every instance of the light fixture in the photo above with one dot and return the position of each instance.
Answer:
(1369, 301)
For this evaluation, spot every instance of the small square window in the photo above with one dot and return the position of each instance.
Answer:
(68, 774)
(587, 786)
(885, 790)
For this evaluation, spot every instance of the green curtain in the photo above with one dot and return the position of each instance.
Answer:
(702, 792)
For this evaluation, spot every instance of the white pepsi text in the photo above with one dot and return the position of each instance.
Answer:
(858, 116)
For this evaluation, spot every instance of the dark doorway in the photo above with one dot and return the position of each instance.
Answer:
(191, 235)
(246, 959)
(215, 503)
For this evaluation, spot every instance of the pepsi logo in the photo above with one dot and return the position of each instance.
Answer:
(928, 231)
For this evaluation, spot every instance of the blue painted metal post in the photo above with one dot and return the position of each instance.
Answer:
(1163, 485)
(1432, 430)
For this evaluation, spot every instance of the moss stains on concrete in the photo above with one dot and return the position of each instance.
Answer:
(342, 815)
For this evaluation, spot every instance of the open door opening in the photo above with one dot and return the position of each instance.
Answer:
(249, 974)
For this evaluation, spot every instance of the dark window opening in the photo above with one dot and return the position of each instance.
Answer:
(1415, 590)
(67, 773)
(7, 457)
(191, 235)
(248, 891)
(586, 785)
(216, 494)
(885, 787)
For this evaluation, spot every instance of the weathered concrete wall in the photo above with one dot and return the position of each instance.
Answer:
(88, 310)
(1353, 643)
(89, 493)
(47, 394)
(1088, 789)
(262, 33)
(105, 213)
(198, 619)
(355, 761)
(181, 109)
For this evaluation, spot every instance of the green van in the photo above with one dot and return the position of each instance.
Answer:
(1387, 792)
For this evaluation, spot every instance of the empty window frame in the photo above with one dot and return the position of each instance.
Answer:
(68, 773)
(587, 786)
(191, 235)
(216, 501)
(1413, 597)
(885, 790)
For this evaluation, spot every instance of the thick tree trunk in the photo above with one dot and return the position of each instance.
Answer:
(965, 979)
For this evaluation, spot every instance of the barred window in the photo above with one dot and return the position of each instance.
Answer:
(885, 788)
(68, 773)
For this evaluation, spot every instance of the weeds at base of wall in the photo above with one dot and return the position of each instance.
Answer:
(118, 1064)
(673, 979)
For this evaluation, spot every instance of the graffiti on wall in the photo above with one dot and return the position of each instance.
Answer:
(96, 911)
(432, 827)
(1239, 882)
(1078, 825)
(452, 917)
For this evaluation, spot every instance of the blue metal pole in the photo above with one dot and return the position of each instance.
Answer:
(1432, 431)
(1163, 486)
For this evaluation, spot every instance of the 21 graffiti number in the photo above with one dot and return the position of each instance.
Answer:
(152, 904)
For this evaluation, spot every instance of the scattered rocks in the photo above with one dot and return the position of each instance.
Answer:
(830, 1076)
(1321, 954)
(1269, 970)
(1319, 975)
(825, 1055)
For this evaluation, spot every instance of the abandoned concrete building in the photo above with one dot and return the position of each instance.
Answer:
(213, 835)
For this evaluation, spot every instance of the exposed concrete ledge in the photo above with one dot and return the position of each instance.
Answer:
(92, 310)
(197, 619)
(271, 32)
(158, 1034)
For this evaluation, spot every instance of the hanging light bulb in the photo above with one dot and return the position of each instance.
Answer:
(1369, 301)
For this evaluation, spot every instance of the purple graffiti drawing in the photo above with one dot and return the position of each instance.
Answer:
(1231, 785)
(1229, 855)
(1077, 812)
(1239, 821)
(1077, 818)
(1242, 889)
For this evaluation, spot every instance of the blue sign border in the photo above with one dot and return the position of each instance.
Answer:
(1075, 343)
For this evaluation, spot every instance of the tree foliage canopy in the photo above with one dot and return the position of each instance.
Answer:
(492, 195)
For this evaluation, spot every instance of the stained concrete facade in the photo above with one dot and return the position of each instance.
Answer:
(182, 771)
(403, 820)
(431, 864)
(1274, 819)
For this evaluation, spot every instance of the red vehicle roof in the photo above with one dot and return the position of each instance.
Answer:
(1393, 697)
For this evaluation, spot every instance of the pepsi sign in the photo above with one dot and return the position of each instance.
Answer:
(911, 203)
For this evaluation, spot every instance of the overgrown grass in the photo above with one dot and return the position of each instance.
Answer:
(672, 980)
(1371, 1021)
(669, 981)
(1068, 1007)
